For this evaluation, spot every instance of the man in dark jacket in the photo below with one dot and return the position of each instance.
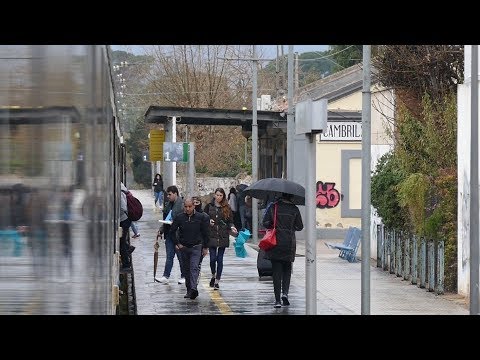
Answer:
(175, 205)
(282, 255)
(198, 209)
(191, 241)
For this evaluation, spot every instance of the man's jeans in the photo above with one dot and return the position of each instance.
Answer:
(159, 198)
(170, 253)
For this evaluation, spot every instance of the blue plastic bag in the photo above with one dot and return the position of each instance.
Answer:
(240, 240)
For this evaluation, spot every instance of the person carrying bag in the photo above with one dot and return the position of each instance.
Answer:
(285, 220)
(269, 240)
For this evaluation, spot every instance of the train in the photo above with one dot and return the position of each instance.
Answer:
(62, 158)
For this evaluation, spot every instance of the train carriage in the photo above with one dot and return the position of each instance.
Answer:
(61, 163)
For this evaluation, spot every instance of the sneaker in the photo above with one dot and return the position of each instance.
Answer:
(194, 294)
(163, 280)
(181, 281)
(216, 286)
(135, 236)
(188, 294)
(285, 300)
(277, 305)
(212, 281)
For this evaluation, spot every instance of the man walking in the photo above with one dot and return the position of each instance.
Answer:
(191, 242)
(174, 205)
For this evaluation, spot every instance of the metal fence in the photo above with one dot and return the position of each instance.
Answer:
(418, 260)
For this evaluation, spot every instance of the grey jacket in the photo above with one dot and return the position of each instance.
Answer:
(123, 203)
(177, 208)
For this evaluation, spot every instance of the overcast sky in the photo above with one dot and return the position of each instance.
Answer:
(270, 50)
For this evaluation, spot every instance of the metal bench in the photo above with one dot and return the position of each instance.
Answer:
(349, 247)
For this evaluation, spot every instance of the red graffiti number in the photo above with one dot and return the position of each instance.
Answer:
(327, 195)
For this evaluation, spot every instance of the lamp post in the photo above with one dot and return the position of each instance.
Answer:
(474, 202)
(254, 145)
(366, 179)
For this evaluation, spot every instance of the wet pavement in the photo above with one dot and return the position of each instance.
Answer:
(242, 292)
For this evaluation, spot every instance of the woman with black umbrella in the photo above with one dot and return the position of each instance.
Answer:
(288, 220)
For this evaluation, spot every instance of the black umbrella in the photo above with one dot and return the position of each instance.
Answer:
(274, 187)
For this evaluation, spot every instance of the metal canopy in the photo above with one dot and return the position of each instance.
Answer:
(189, 116)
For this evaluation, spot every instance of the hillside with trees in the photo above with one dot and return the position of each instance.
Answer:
(200, 77)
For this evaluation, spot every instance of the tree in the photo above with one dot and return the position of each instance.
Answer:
(129, 83)
(425, 80)
(385, 180)
(314, 66)
(416, 70)
(136, 144)
(345, 56)
(198, 76)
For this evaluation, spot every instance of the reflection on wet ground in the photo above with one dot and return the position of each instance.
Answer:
(241, 292)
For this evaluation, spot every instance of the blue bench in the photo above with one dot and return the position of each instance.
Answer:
(349, 247)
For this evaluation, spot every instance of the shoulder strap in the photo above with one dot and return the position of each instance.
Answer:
(275, 216)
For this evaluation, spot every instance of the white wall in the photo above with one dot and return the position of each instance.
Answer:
(468, 64)
(383, 110)
(463, 199)
(349, 102)
(463, 167)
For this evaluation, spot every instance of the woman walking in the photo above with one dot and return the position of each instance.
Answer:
(282, 255)
(221, 223)
(158, 190)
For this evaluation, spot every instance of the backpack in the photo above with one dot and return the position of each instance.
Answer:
(134, 207)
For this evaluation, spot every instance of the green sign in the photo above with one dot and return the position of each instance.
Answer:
(175, 151)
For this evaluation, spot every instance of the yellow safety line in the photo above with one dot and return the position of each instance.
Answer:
(216, 297)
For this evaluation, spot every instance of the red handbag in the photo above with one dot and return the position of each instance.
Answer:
(269, 240)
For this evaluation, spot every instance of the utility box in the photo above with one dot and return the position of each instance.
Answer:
(311, 116)
(266, 102)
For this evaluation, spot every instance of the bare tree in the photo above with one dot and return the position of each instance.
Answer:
(416, 70)
(198, 76)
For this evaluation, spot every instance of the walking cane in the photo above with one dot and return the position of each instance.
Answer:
(155, 257)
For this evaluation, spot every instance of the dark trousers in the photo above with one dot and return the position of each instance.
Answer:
(124, 242)
(282, 272)
(190, 258)
(241, 211)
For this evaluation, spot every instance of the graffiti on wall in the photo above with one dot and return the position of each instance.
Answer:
(327, 196)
